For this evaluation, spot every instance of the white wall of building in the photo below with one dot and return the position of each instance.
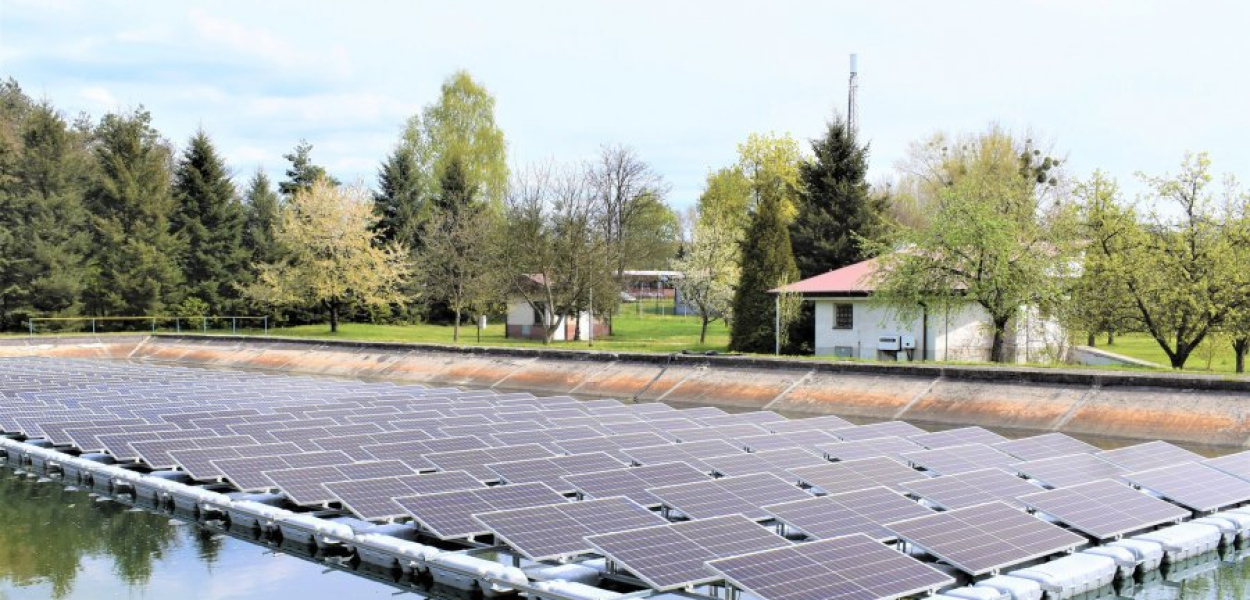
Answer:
(962, 334)
(521, 313)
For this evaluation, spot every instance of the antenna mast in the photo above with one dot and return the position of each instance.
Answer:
(852, 90)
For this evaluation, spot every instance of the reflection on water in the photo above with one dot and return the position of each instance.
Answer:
(71, 545)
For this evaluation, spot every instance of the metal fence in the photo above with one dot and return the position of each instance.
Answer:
(95, 325)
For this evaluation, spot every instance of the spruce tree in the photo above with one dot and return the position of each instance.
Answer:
(209, 221)
(836, 210)
(131, 203)
(302, 172)
(262, 208)
(767, 263)
(400, 200)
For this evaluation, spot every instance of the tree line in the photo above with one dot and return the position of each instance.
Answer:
(104, 217)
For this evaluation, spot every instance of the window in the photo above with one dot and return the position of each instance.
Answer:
(843, 316)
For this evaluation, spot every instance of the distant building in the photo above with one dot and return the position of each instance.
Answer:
(848, 325)
(640, 285)
(527, 323)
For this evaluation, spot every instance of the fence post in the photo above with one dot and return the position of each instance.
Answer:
(234, 325)
(31, 323)
(205, 319)
(177, 325)
(93, 326)
(266, 322)
(153, 324)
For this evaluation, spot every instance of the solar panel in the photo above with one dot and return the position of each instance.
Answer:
(1193, 485)
(958, 437)
(754, 417)
(876, 430)
(970, 488)
(668, 557)
(777, 462)
(1237, 465)
(612, 444)
(634, 482)
(1149, 455)
(156, 452)
(806, 440)
(743, 495)
(690, 453)
(861, 511)
(449, 515)
(1104, 509)
(1047, 445)
(821, 423)
(443, 481)
(371, 499)
(851, 475)
(985, 538)
(303, 485)
(852, 567)
(699, 413)
(552, 470)
(958, 459)
(474, 461)
(559, 530)
(723, 432)
(197, 462)
(1073, 469)
(889, 446)
(550, 438)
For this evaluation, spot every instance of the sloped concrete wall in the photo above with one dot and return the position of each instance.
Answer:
(1186, 408)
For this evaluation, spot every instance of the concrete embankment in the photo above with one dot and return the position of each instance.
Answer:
(1184, 408)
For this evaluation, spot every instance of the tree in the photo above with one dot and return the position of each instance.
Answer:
(130, 203)
(209, 221)
(988, 243)
(262, 208)
(454, 260)
(767, 263)
(552, 252)
(836, 214)
(1099, 301)
(303, 172)
(329, 254)
(461, 124)
(399, 202)
(1183, 269)
(771, 163)
(637, 224)
(710, 272)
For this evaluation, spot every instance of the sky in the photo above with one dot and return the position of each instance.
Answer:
(1123, 86)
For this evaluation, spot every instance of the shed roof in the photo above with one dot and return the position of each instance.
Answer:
(856, 280)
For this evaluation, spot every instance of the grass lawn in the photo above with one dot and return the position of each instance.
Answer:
(1142, 346)
(632, 332)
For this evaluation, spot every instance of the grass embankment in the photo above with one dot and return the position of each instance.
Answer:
(1143, 347)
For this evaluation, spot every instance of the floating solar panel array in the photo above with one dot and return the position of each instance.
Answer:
(552, 478)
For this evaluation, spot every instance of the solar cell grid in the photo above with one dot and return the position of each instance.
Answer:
(1149, 455)
(1104, 509)
(633, 482)
(668, 557)
(971, 488)
(1073, 469)
(959, 459)
(723, 432)
(370, 499)
(888, 446)
(690, 453)
(559, 530)
(1193, 485)
(756, 417)
(1237, 465)
(821, 423)
(876, 430)
(958, 437)
(985, 538)
(197, 462)
(861, 511)
(474, 461)
(612, 444)
(777, 462)
(851, 475)
(449, 515)
(156, 452)
(852, 567)
(743, 495)
(806, 440)
(551, 471)
(1047, 445)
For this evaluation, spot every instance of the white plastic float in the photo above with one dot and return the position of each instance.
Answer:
(1071, 575)
(1185, 540)
(1016, 587)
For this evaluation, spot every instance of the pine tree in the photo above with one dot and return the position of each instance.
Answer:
(400, 202)
(836, 211)
(302, 172)
(131, 203)
(262, 207)
(767, 263)
(835, 205)
(209, 221)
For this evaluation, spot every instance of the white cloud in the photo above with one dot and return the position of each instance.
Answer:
(258, 43)
(340, 107)
(101, 97)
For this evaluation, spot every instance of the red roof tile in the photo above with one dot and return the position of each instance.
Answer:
(853, 279)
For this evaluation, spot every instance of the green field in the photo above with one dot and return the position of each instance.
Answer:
(1143, 347)
(648, 332)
